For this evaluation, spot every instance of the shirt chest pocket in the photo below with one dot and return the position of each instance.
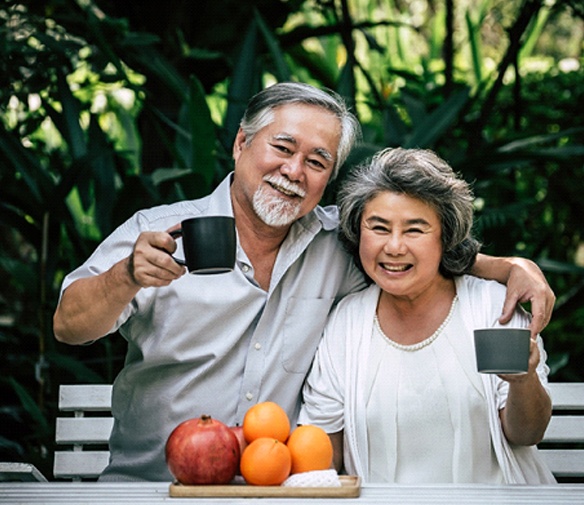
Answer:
(305, 320)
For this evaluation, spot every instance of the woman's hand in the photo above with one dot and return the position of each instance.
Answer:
(534, 357)
(529, 408)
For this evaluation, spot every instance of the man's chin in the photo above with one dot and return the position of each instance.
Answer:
(277, 217)
(275, 212)
(278, 220)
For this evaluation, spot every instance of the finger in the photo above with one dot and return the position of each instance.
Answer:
(163, 241)
(156, 281)
(174, 228)
(509, 305)
(540, 315)
(153, 274)
(152, 260)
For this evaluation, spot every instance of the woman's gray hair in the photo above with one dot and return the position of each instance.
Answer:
(420, 174)
(260, 113)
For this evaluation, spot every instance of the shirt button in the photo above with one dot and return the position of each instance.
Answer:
(245, 268)
(249, 396)
(257, 346)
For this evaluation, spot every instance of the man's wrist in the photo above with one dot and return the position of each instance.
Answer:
(492, 267)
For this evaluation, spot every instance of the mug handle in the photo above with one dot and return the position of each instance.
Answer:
(175, 234)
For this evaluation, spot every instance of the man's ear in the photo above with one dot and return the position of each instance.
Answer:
(239, 143)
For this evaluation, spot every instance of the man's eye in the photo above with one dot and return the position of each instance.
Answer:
(282, 148)
(415, 230)
(316, 164)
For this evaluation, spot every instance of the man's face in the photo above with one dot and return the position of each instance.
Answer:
(282, 174)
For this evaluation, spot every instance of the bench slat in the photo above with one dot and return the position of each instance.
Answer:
(90, 397)
(568, 429)
(84, 464)
(23, 472)
(83, 430)
(564, 462)
(567, 395)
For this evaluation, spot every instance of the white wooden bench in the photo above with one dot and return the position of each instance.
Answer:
(563, 443)
(562, 448)
(84, 433)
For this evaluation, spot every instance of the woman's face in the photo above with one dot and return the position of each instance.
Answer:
(400, 247)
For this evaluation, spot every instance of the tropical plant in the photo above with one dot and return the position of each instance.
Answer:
(107, 107)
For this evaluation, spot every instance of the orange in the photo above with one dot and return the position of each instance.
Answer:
(266, 419)
(265, 462)
(311, 449)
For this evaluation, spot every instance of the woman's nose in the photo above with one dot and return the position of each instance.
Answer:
(394, 244)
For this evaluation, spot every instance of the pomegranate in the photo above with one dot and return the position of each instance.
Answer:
(238, 431)
(202, 451)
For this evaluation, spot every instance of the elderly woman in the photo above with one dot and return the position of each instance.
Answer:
(394, 381)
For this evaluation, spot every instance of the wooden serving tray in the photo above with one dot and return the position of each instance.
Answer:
(350, 488)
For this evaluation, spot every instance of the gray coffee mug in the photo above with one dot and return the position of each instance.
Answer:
(502, 350)
(209, 244)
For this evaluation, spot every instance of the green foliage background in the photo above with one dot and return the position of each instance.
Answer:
(107, 107)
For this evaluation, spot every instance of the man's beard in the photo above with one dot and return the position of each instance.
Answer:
(275, 211)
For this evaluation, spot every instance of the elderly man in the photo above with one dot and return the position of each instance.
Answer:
(217, 344)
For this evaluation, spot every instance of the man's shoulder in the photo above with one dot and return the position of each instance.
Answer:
(218, 202)
(182, 210)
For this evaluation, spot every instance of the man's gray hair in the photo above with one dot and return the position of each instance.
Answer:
(260, 113)
(420, 174)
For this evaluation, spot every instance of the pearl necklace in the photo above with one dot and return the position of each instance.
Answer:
(423, 343)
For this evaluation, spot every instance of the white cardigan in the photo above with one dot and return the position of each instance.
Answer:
(334, 393)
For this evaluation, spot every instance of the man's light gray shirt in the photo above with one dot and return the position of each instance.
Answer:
(216, 344)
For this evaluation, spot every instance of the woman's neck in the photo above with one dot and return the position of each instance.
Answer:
(409, 320)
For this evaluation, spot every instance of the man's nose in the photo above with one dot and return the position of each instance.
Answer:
(293, 168)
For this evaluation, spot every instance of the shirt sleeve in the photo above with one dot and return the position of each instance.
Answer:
(114, 248)
(521, 319)
(323, 392)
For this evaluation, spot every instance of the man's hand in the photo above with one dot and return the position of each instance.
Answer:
(90, 306)
(526, 283)
(151, 263)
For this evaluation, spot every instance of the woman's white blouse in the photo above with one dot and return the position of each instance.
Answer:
(440, 422)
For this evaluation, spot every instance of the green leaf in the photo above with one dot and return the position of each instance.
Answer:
(196, 118)
(102, 163)
(244, 83)
(68, 121)
(23, 163)
(281, 68)
(435, 125)
(30, 405)
(475, 47)
(80, 371)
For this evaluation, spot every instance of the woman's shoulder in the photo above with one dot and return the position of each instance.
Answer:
(475, 286)
(358, 300)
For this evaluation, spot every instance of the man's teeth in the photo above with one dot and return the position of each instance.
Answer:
(284, 190)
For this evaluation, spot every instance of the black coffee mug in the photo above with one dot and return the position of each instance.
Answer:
(502, 350)
(209, 244)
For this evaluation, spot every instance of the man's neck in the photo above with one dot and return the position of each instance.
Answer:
(260, 242)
